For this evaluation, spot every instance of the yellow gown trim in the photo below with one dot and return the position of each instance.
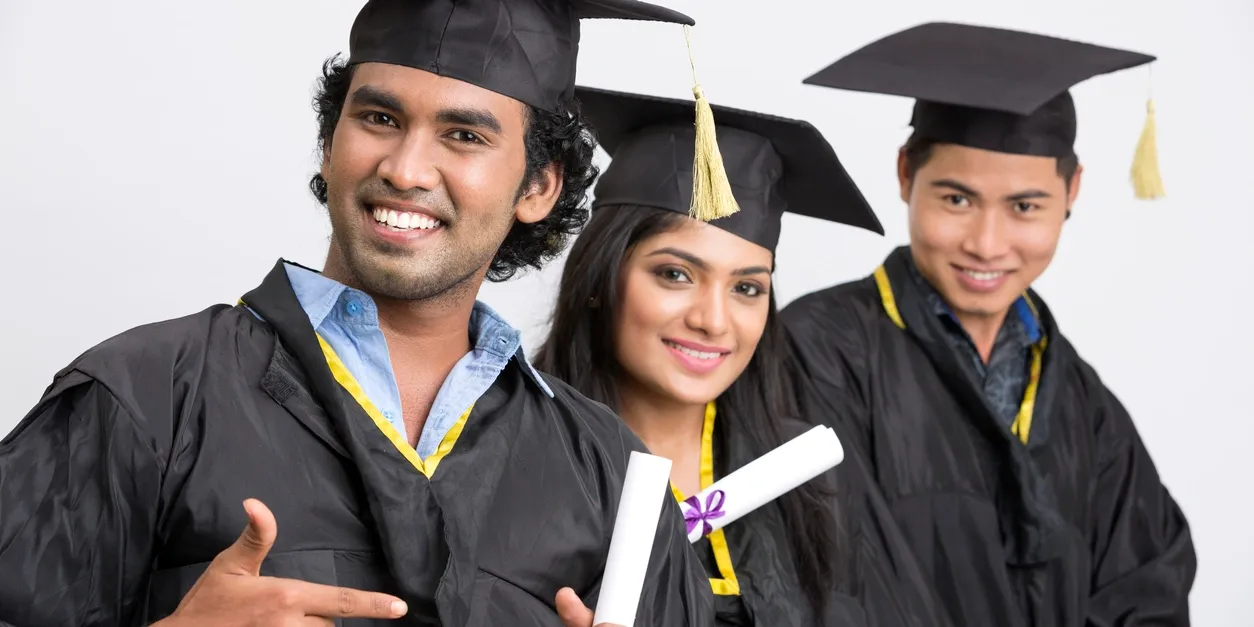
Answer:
(1022, 425)
(727, 585)
(349, 382)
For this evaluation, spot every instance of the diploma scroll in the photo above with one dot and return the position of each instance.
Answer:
(762, 481)
(645, 490)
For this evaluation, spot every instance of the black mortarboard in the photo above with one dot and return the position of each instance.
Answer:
(524, 49)
(774, 164)
(982, 87)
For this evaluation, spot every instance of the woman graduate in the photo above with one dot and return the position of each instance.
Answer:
(670, 321)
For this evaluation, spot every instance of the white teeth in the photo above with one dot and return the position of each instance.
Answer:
(404, 221)
(983, 276)
(694, 353)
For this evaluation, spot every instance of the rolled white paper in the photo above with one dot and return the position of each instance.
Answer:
(762, 481)
(645, 490)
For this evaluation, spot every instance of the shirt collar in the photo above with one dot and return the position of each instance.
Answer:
(493, 335)
(317, 294)
(1027, 316)
(325, 299)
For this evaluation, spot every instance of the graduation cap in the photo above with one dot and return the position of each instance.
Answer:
(524, 49)
(992, 88)
(773, 164)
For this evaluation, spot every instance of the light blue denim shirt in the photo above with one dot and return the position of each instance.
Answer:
(349, 321)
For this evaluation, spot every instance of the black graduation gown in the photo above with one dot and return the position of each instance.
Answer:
(1072, 529)
(127, 478)
(757, 584)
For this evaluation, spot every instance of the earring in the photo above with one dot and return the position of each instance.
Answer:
(1068, 216)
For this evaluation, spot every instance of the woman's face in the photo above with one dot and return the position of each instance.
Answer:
(694, 305)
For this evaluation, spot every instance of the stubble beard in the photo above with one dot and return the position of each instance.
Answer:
(385, 272)
(393, 272)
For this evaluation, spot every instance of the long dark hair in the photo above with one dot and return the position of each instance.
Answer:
(580, 350)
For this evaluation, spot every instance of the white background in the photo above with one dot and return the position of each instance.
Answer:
(154, 158)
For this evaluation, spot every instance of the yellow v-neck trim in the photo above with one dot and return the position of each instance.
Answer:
(887, 298)
(1022, 426)
(349, 382)
(727, 585)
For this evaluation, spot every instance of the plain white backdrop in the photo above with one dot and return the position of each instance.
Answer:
(154, 158)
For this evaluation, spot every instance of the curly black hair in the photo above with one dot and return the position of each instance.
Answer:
(561, 137)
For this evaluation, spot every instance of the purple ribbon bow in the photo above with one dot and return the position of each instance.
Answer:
(694, 515)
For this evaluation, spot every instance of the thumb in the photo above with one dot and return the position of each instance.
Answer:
(244, 557)
(571, 609)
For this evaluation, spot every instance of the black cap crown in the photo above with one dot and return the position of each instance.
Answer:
(982, 87)
(774, 164)
(524, 49)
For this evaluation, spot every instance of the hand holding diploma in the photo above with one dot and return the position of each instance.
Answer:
(645, 490)
(573, 612)
(762, 481)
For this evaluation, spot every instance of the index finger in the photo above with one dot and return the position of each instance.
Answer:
(336, 602)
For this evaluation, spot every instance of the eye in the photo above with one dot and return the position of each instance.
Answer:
(378, 118)
(958, 200)
(672, 275)
(1024, 206)
(466, 137)
(751, 290)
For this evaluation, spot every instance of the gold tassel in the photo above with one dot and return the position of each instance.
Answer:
(711, 191)
(1147, 182)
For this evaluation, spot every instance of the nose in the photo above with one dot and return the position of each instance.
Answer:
(708, 313)
(987, 238)
(411, 164)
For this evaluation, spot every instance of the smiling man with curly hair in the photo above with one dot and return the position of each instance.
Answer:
(389, 423)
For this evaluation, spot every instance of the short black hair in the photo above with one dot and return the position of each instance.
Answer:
(918, 151)
(559, 137)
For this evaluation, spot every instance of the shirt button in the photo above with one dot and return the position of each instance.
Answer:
(388, 415)
(353, 307)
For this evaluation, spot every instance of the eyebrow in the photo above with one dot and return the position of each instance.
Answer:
(475, 118)
(700, 263)
(367, 96)
(1026, 194)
